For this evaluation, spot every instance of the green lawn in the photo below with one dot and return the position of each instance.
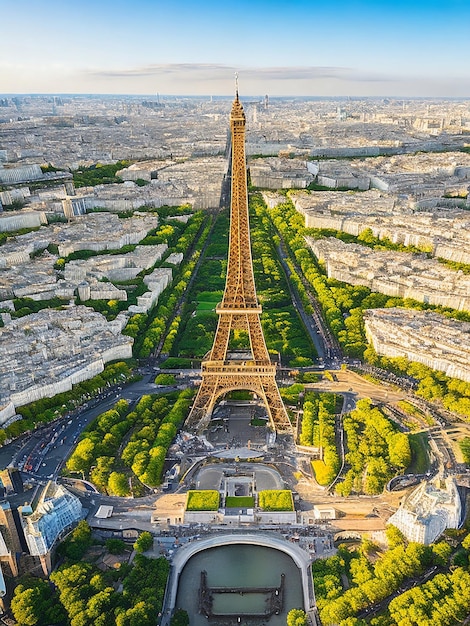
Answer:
(205, 306)
(256, 421)
(419, 448)
(239, 502)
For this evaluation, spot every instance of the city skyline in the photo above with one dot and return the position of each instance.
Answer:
(343, 49)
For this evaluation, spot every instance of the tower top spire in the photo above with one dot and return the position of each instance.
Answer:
(237, 108)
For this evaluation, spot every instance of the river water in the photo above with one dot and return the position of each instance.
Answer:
(239, 565)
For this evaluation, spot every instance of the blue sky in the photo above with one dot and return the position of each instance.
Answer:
(294, 47)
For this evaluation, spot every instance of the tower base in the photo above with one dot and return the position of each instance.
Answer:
(220, 377)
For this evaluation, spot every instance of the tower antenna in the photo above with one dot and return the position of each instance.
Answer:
(236, 84)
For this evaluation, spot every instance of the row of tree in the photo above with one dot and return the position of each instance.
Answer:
(28, 306)
(147, 448)
(343, 307)
(119, 444)
(376, 450)
(318, 429)
(283, 330)
(4, 236)
(199, 320)
(95, 455)
(48, 409)
(148, 329)
(443, 601)
(452, 393)
(336, 299)
(98, 174)
(372, 576)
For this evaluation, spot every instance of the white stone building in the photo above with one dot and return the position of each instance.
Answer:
(101, 231)
(280, 173)
(428, 511)
(426, 337)
(21, 219)
(398, 274)
(442, 231)
(45, 353)
(21, 174)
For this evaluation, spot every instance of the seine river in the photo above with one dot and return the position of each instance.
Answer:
(239, 565)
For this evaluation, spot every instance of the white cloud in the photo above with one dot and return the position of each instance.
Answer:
(213, 78)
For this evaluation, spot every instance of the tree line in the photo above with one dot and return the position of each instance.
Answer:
(372, 576)
(98, 174)
(120, 446)
(343, 305)
(318, 429)
(47, 409)
(149, 329)
(377, 451)
(434, 386)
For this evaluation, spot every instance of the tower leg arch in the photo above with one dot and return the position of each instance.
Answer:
(213, 388)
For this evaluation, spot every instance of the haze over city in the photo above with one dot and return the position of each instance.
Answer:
(301, 48)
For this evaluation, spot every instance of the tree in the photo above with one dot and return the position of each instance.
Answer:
(465, 448)
(33, 604)
(115, 546)
(82, 457)
(99, 475)
(118, 484)
(165, 379)
(26, 606)
(140, 614)
(180, 618)
(71, 576)
(399, 450)
(99, 605)
(441, 553)
(75, 546)
(297, 617)
(394, 537)
(466, 542)
(144, 542)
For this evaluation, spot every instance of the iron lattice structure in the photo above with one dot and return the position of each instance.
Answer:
(239, 310)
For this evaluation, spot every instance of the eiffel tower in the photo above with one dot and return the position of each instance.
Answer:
(222, 370)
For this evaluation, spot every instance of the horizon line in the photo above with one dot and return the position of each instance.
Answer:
(230, 96)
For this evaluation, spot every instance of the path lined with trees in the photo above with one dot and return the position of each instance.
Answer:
(123, 451)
